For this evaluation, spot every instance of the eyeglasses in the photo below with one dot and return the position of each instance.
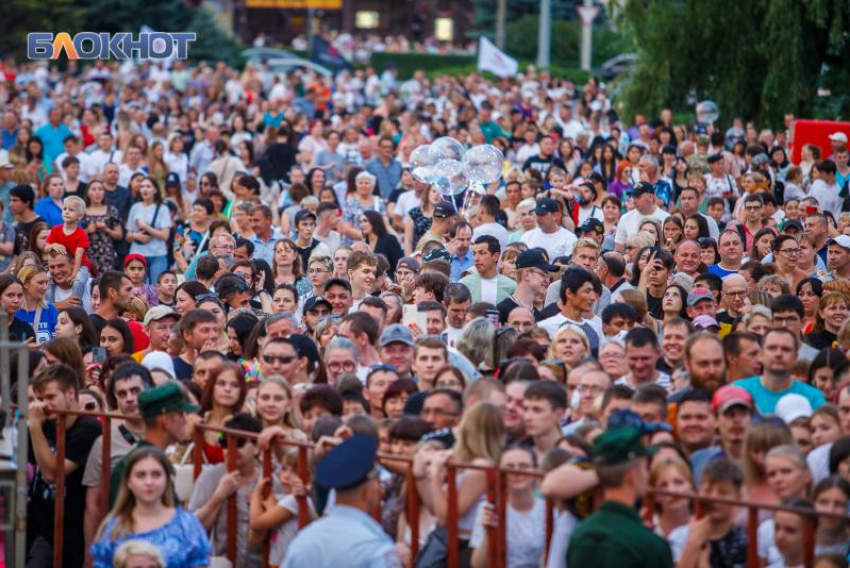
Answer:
(779, 320)
(753, 207)
(347, 366)
(739, 294)
(272, 359)
(790, 252)
(593, 389)
(313, 271)
(206, 296)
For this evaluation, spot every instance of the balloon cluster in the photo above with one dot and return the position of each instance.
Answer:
(446, 164)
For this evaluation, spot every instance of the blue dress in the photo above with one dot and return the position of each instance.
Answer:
(182, 542)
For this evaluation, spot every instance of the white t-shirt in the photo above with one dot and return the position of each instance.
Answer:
(526, 535)
(585, 213)
(827, 196)
(406, 202)
(559, 243)
(565, 522)
(489, 290)
(630, 223)
(494, 230)
(155, 247)
(551, 325)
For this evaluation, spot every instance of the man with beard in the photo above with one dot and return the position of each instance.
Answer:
(743, 355)
(705, 364)
(116, 290)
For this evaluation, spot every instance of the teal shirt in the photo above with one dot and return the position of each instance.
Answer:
(766, 399)
(615, 537)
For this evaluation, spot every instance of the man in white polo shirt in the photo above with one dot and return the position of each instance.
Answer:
(644, 199)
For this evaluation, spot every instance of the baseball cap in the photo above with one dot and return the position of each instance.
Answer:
(533, 258)
(641, 188)
(841, 240)
(592, 225)
(315, 301)
(792, 224)
(172, 180)
(714, 158)
(705, 321)
(303, 214)
(438, 253)
(157, 313)
(728, 396)
(838, 137)
(760, 159)
(546, 205)
(793, 406)
(444, 210)
(408, 263)
(165, 398)
(396, 333)
(619, 445)
(626, 417)
(698, 295)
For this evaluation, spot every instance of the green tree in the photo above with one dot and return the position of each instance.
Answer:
(20, 17)
(757, 59)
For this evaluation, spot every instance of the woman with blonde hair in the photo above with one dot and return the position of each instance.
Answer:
(758, 441)
(831, 315)
(35, 309)
(479, 441)
(145, 509)
(570, 345)
(274, 407)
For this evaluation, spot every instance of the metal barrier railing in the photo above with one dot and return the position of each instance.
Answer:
(496, 496)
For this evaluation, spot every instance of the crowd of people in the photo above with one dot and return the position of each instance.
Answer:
(637, 304)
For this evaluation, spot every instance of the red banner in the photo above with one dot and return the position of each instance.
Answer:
(816, 132)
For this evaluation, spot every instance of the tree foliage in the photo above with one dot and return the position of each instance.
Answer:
(20, 17)
(521, 41)
(757, 59)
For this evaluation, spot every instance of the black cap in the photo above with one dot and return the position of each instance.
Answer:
(303, 214)
(172, 180)
(592, 225)
(641, 188)
(546, 205)
(338, 282)
(438, 253)
(792, 224)
(315, 301)
(714, 158)
(408, 263)
(444, 210)
(533, 258)
(349, 464)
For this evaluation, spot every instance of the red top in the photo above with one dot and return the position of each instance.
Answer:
(76, 240)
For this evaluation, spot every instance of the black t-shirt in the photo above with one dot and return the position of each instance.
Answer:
(182, 369)
(820, 339)
(78, 442)
(654, 305)
(306, 252)
(20, 330)
(98, 322)
(729, 550)
(543, 165)
(508, 304)
(22, 234)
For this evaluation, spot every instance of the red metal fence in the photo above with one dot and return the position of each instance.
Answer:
(496, 495)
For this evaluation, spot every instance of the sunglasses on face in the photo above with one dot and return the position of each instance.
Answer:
(272, 359)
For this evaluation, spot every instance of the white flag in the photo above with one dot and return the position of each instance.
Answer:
(491, 58)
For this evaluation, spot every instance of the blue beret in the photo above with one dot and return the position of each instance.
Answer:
(348, 465)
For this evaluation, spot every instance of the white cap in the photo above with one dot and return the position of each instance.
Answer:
(793, 406)
(159, 360)
(838, 137)
(841, 240)
(4, 162)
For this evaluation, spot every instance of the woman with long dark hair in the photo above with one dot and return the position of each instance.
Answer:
(148, 229)
(11, 300)
(379, 240)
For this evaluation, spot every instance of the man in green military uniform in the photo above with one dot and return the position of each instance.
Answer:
(614, 536)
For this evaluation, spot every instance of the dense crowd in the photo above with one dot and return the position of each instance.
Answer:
(637, 304)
